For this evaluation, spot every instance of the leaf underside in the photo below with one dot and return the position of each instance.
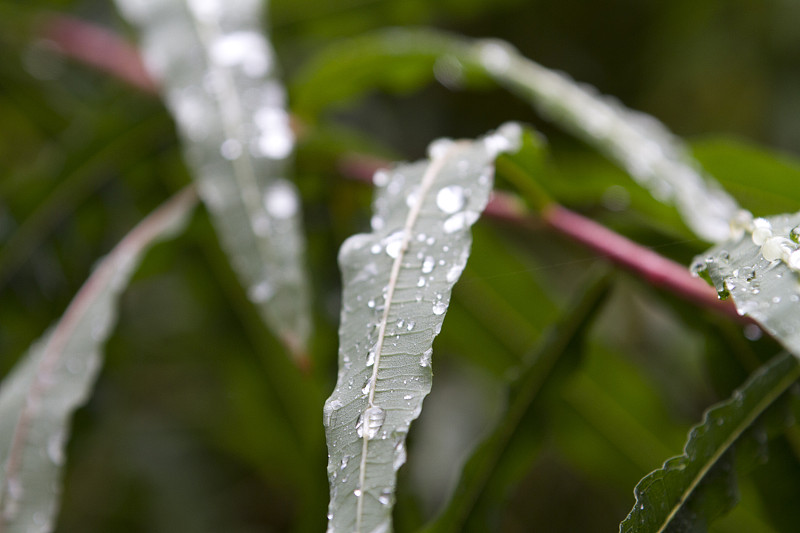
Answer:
(218, 77)
(38, 397)
(689, 491)
(397, 285)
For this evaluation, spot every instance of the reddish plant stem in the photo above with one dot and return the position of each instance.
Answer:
(99, 48)
(656, 269)
(108, 52)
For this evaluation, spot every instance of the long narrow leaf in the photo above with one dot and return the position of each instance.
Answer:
(39, 396)
(397, 285)
(218, 75)
(691, 490)
(639, 143)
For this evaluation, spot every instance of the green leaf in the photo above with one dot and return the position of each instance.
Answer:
(504, 455)
(39, 396)
(692, 489)
(397, 285)
(652, 155)
(219, 80)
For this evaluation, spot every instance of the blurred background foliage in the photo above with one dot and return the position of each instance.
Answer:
(200, 423)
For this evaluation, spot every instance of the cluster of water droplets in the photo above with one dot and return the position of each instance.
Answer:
(775, 244)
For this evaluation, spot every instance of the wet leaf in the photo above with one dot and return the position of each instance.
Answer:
(692, 489)
(218, 77)
(397, 286)
(39, 396)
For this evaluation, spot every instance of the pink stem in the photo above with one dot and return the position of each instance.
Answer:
(99, 48)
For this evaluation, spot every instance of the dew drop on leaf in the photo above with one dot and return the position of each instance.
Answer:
(370, 422)
(450, 199)
(439, 308)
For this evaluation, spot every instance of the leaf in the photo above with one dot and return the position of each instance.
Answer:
(638, 142)
(504, 455)
(762, 279)
(39, 396)
(219, 80)
(397, 285)
(691, 490)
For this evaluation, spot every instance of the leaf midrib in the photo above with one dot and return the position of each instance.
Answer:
(428, 178)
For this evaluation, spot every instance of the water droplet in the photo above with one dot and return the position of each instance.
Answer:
(55, 448)
(345, 460)
(752, 332)
(281, 200)
(428, 264)
(762, 230)
(376, 223)
(774, 247)
(371, 304)
(495, 56)
(380, 178)
(425, 359)
(394, 243)
(410, 325)
(794, 260)
(366, 387)
(439, 148)
(370, 422)
(329, 409)
(412, 198)
(795, 234)
(439, 308)
(245, 49)
(385, 498)
(230, 149)
(742, 221)
(371, 358)
(375, 248)
(454, 273)
(260, 292)
(450, 199)
(276, 143)
(399, 455)
(459, 221)
(421, 281)
(357, 493)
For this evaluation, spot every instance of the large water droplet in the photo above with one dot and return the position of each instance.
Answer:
(450, 199)
(459, 221)
(393, 244)
(425, 359)
(439, 148)
(281, 201)
(329, 409)
(370, 422)
(439, 308)
(428, 264)
(774, 248)
(245, 49)
(230, 149)
(762, 230)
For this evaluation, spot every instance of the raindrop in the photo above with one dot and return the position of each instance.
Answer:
(329, 409)
(345, 460)
(281, 201)
(247, 49)
(55, 448)
(459, 221)
(357, 493)
(428, 264)
(773, 248)
(376, 223)
(385, 498)
(394, 243)
(260, 292)
(454, 273)
(399, 455)
(370, 422)
(276, 143)
(439, 148)
(795, 234)
(450, 199)
(794, 260)
(375, 248)
(380, 178)
(371, 304)
(230, 149)
(410, 325)
(371, 358)
(425, 360)
(439, 308)
(412, 198)
(366, 387)
(494, 56)
(421, 281)
(762, 230)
